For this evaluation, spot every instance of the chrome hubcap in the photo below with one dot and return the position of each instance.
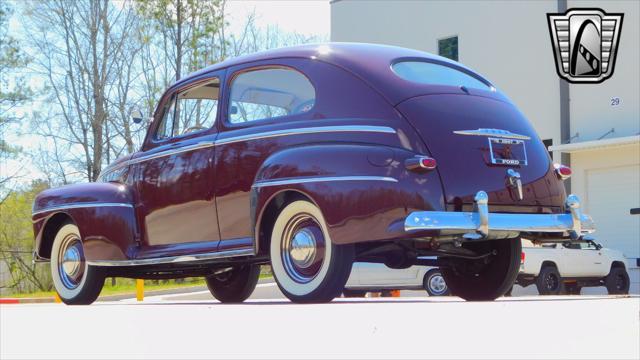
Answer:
(437, 284)
(302, 248)
(71, 262)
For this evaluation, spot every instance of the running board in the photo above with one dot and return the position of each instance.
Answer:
(176, 259)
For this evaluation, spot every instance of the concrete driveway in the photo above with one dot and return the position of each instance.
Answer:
(408, 327)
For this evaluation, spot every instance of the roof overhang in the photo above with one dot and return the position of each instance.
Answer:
(597, 144)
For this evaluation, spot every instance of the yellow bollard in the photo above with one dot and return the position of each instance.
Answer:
(139, 289)
(56, 298)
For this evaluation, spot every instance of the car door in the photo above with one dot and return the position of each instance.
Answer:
(580, 260)
(176, 174)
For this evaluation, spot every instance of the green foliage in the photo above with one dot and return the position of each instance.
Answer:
(16, 243)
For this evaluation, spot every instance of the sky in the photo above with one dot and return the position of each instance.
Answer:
(308, 17)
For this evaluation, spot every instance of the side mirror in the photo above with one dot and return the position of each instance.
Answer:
(136, 116)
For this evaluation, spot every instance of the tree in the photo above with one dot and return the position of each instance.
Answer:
(80, 48)
(13, 91)
(16, 242)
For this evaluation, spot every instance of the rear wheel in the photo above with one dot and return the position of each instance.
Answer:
(75, 281)
(549, 281)
(307, 266)
(235, 285)
(617, 282)
(434, 283)
(488, 278)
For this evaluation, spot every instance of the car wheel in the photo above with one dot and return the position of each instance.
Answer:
(549, 281)
(235, 285)
(486, 279)
(573, 289)
(354, 293)
(508, 293)
(434, 283)
(617, 282)
(75, 281)
(307, 265)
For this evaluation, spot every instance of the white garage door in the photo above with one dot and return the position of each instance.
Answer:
(611, 192)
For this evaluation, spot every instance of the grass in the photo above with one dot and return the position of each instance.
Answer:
(128, 286)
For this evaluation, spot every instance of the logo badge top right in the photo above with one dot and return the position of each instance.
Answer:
(585, 44)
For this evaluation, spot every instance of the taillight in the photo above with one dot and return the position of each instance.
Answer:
(563, 172)
(522, 257)
(420, 162)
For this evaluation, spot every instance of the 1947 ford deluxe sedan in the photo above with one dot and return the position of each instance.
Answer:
(310, 158)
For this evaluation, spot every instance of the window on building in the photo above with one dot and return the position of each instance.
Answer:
(269, 93)
(547, 143)
(448, 48)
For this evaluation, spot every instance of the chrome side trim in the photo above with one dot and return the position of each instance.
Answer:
(200, 145)
(493, 133)
(175, 259)
(321, 179)
(263, 135)
(481, 223)
(308, 130)
(78, 206)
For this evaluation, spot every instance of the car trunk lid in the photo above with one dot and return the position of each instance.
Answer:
(476, 141)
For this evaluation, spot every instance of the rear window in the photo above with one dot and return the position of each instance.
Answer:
(436, 74)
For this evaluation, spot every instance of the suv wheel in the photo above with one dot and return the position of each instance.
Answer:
(488, 278)
(549, 281)
(617, 282)
(307, 265)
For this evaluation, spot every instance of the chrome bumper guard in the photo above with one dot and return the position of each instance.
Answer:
(481, 224)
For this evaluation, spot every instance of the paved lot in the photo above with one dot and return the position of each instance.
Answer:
(412, 327)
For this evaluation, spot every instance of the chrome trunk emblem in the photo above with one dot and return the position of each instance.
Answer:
(514, 182)
(493, 133)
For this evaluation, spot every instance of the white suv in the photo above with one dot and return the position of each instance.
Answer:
(568, 267)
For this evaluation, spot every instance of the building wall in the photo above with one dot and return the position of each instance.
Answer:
(591, 112)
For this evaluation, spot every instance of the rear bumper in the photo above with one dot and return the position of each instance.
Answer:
(483, 224)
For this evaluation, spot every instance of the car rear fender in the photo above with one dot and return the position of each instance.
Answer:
(363, 190)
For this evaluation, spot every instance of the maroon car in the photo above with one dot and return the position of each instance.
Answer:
(309, 158)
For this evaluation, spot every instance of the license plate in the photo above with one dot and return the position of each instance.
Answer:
(507, 151)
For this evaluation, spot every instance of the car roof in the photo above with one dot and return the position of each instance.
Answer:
(370, 62)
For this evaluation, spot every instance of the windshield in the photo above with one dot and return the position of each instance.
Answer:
(437, 74)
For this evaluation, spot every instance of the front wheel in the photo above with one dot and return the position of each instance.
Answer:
(75, 281)
(306, 265)
(617, 282)
(234, 285)
(434, 283)
(488, 278)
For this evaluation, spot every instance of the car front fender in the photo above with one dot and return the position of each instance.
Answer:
(103, 212)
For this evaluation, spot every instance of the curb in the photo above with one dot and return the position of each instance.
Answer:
(27, 300)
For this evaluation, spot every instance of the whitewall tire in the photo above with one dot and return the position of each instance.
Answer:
(76, 282)
(307, 266)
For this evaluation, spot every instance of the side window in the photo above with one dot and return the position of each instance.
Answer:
(269, 93)
(192, 110)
